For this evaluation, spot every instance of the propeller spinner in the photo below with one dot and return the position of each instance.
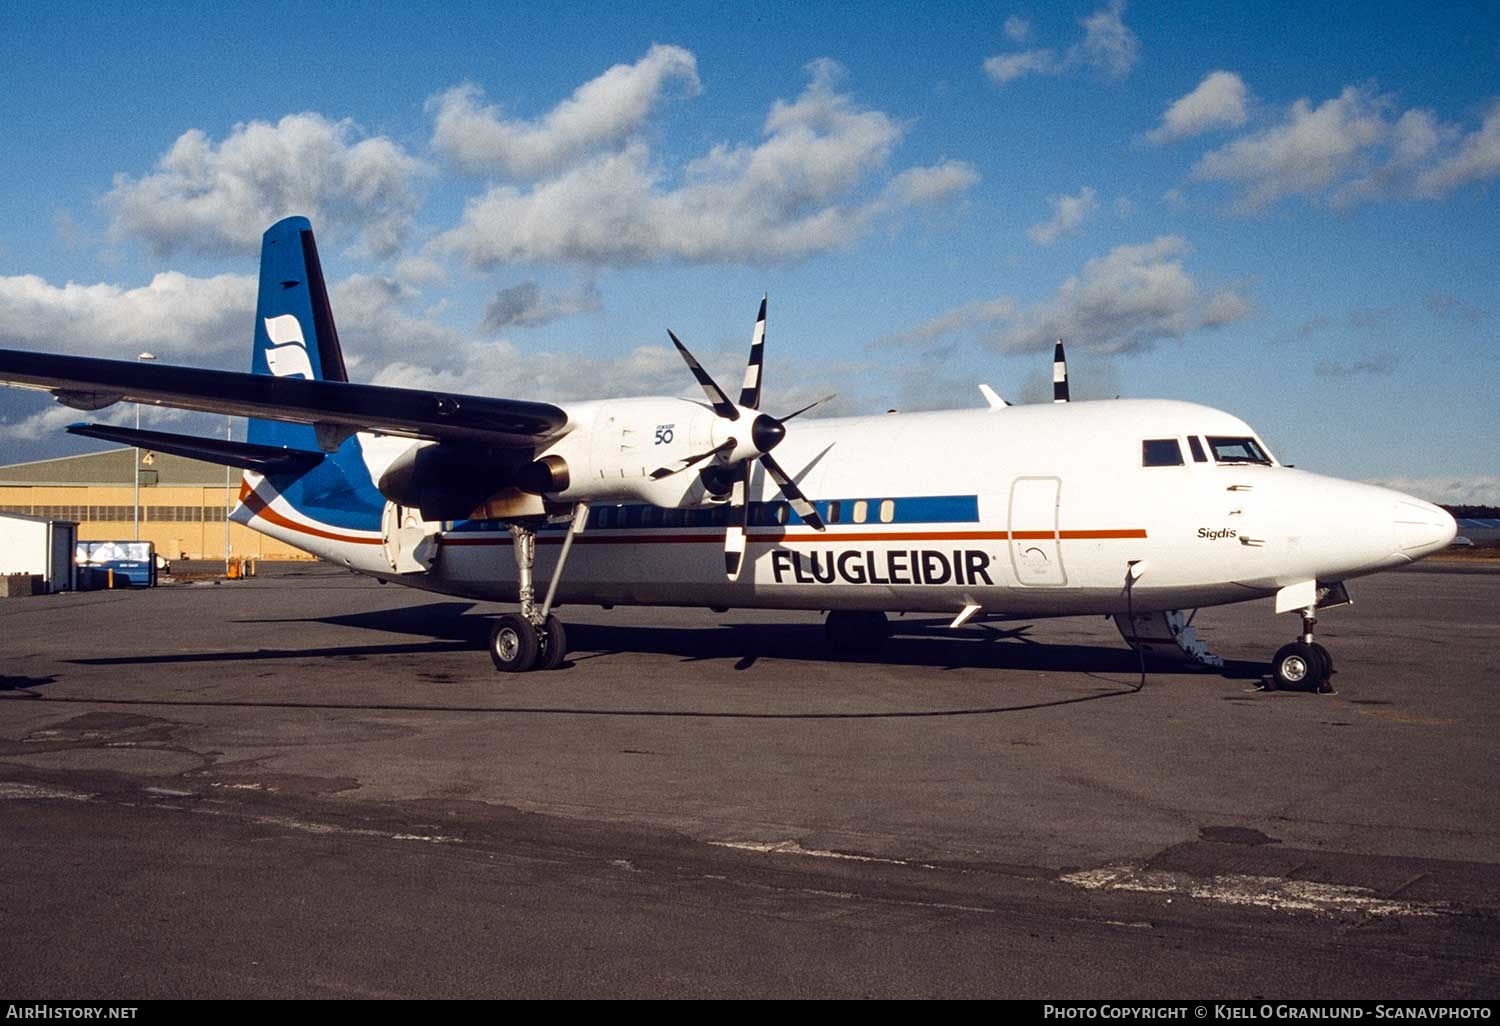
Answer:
(735, 454)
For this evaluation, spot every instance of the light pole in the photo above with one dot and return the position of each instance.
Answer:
(136, 461)
(228, 437)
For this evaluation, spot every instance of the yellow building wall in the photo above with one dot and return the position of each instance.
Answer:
(184, 521)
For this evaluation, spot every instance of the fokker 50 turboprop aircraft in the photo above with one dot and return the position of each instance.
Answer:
(1135, 509)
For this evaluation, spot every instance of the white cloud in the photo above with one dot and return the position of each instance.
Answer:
(603, 112)
(796, 193)
(1108, 46)
(175, 317)
(1068, 215)
(53, 419)
(501, 368)
(528, 304)
(1225, 307)
(1348, 150)
(1125, 301)
(1304, 154)
(1454, 490)
(1217, 102)
(932, 184)
(1017, 28)
(1478, 158)
(203, 321)
(979, 313)
(419, 270)
(1007, 67)
(221, 196)
(1410, 142)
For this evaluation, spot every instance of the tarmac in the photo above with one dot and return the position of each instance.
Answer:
(310, 785)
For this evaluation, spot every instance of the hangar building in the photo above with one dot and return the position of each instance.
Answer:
(184, 502)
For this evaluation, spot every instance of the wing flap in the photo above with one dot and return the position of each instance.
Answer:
(410, 413)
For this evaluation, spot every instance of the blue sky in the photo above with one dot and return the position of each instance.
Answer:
(1291, 212)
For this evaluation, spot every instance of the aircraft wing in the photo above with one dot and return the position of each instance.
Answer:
(337, 408)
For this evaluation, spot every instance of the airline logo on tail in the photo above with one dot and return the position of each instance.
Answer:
(287, 354)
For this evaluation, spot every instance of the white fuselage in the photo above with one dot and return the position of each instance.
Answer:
(1029, 510)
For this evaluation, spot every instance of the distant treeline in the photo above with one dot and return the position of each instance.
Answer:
(1473, 512)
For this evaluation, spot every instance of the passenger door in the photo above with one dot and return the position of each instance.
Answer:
(1035, 543)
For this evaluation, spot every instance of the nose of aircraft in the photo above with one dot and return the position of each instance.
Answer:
(1421, 527)
(1337, 529)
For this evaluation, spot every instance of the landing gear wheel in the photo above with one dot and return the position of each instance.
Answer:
(1297, 665)
(1325, 679)
(849, 630)
(1327, 659)
(514, 644)
(554, 645)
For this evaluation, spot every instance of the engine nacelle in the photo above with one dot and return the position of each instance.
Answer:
(449, 481)
(614, 447)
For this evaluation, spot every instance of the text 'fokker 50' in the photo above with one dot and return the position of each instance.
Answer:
(1135, 509)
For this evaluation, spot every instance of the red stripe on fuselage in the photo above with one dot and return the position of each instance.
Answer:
(261, 508)
(782, 537)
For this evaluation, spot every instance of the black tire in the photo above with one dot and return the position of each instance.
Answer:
(849, 630)
(514, 644)
(1327, 658)
(1297, 665)
(554, 645)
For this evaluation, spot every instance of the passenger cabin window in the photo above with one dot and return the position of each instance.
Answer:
(1161, 452)
(1197, 448)
(887, 510)
(861, 511)
(1238, 450)
(833, 512)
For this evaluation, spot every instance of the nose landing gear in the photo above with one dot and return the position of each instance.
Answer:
(1304, 663)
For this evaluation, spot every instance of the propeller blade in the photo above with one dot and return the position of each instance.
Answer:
(793, 494)
(722, 406)
(750, 392)
(818, 402)
(739, 519)
(686, 462)
(1059, 374)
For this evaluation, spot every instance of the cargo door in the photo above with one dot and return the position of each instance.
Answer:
(410, 542)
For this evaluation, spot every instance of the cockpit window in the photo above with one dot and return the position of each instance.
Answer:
(1161, 452)
(1238, 450)
(1197, 448)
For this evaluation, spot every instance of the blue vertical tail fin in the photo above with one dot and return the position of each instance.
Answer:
(295, 337)
(294, 332)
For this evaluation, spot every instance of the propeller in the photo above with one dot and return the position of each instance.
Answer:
(731, 470)
(1059, 374)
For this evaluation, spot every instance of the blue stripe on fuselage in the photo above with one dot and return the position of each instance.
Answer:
(910, 509)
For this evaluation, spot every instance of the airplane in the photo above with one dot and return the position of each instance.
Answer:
(1136, 509)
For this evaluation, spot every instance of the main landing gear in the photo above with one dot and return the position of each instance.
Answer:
(533, 639)
(1304, 663)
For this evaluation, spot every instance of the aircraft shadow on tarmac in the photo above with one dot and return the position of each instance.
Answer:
(12, 683)
(443, 627)
(920, 642)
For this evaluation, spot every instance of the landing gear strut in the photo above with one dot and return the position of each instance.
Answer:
(533, 639)
(1304, 663)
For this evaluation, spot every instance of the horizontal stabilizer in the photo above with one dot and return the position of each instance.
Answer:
(264, 459)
